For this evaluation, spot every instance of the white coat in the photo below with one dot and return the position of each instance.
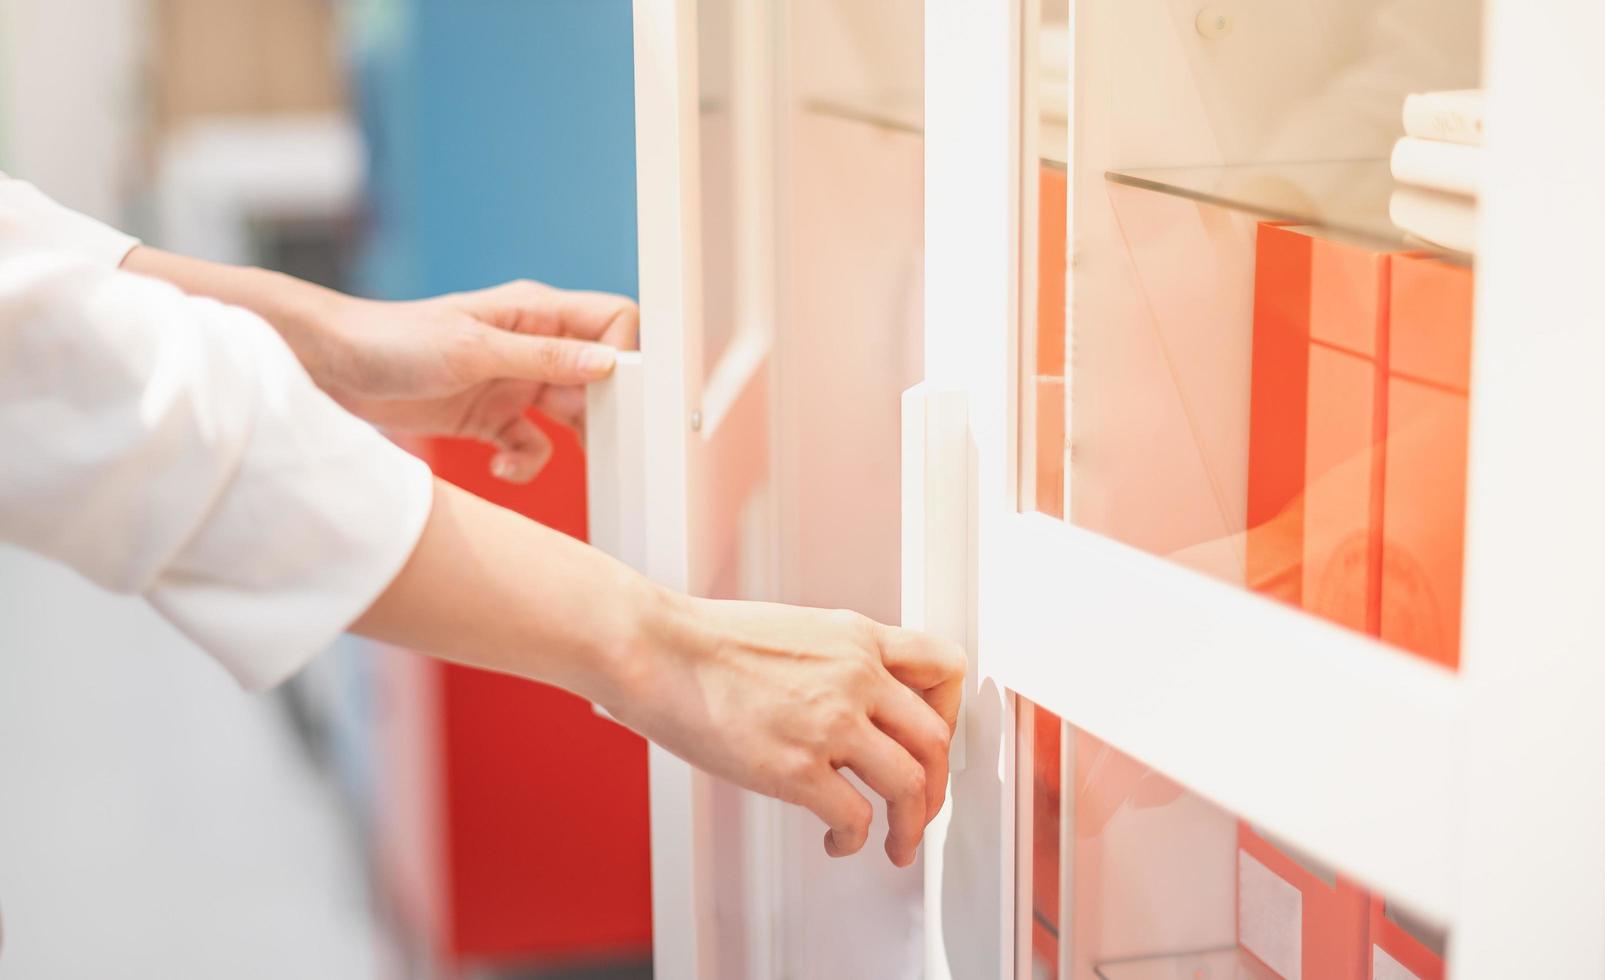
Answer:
(173, 447)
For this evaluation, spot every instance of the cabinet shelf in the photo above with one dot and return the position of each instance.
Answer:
(1348, 198)
(1228, 963)
(901, 113)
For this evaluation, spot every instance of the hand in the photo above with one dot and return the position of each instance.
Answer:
(471, 364)
(777, 699)
(468, 364)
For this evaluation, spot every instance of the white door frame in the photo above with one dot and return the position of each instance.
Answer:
(704, 442)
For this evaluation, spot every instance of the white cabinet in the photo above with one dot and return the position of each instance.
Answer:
(1278, 564)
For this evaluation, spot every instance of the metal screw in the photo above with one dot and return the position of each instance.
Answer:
(1213, 23)
(696, 421)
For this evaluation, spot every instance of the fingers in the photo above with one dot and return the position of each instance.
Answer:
(562, 403)
(524, 451)
(928, 664)
(888, 769)
(834, 800)
(604, 317)
(906, 717)
(552, 360)
(536, 308)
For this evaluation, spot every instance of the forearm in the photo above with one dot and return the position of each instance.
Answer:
(773, 698)
(489, 588)
(296, 309)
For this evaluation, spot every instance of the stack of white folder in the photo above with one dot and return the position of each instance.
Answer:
(1438, 164)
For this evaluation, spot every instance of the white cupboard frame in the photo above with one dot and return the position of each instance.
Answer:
(1477, 798)
(703, 439)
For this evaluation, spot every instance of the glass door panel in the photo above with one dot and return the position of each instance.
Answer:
(860, 61)
(720, 168)
(1133, 876)
(1265, 373)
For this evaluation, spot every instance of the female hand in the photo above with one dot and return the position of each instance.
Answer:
(472, 364)
(777, 699)
(466, 364)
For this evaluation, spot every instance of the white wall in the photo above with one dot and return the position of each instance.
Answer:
(71, 98)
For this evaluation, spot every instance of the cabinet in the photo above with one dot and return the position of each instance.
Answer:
(1264, 524)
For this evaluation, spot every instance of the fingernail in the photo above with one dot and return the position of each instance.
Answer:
(597, 359)
(502, 468)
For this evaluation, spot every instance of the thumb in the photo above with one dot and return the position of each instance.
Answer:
(551, 360)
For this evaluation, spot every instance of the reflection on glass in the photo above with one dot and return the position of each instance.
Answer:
(1267, 380)
(1167, 886)
(1349, 197)
(1290, 416)
(717, 126)
(1042, 351)
(1042, 731)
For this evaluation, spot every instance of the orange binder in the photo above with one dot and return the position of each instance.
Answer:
(1316, 419)
(1427, 430)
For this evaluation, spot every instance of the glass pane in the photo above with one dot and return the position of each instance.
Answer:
(860, 61)
(717, 125)
(1165, 885)
(851, 232)
(1267, 375)
(1040, 833)
(1042, 396)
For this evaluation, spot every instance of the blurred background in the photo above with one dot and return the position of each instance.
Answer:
(382, 815)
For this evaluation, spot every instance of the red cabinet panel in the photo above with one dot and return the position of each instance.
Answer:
(512, 821)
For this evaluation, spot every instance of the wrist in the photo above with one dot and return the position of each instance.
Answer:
(655, 625)
(309, 318)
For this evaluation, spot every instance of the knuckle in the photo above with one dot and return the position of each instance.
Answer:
(862, 673)
(548, 354)
(526, 289)
(954, 659)
(840, 720)
(859, 818)
(797, 774)
(849, 622)
(914, 782)
(933, 745)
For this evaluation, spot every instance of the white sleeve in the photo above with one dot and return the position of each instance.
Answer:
(174, 448)
(26, 215)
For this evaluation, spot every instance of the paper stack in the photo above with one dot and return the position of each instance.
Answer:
(1439, 160)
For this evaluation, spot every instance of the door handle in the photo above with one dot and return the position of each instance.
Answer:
(615, 456)
(615, 465)
(936, 532)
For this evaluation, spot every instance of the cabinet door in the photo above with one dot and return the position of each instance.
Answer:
(1271, 634)
(679, 438)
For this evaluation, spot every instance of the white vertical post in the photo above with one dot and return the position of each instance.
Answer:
(1533, 846)
(615, 452)
(972, 242)
(668, 232)
(935, 593)
(935, 521)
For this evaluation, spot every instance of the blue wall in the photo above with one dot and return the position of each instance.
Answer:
(503, 142)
